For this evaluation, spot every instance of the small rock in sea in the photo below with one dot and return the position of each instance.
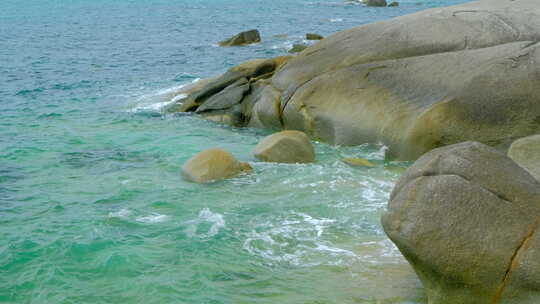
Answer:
(380, 3)
(356, 161)
(311, 36)
(526, 153)
(393, 4)
(297, 48)
(213, 165)
(285, 147)
(243, 38)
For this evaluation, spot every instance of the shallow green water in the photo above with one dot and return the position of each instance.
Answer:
(92, 205)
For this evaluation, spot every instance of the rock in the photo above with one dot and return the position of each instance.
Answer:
(297, 48)
(243, 38)
(393, 4)
(285, 147)
(466, 216)
(526, 153)
(311, 36)
(213, 165)
(227, 98)
(356, 161)
(375, 2)
(414, 83)
(216, 99)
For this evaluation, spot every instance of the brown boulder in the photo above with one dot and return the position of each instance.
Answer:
(285, 147)
(213, 165)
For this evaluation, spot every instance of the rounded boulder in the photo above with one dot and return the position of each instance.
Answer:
(213, 165)
(285, 147)
(466, 218)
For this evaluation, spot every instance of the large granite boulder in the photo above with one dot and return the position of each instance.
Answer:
(416, 82)
(243, 38)
(466, 217)
(526, 152)
(285, 147)
(213, 165)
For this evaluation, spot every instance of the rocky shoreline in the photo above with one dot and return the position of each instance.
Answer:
(416, 82)
(456, 89)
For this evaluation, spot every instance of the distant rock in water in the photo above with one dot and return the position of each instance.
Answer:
(285, 147)
(213, 165)
(311, 36)
(469, 72)
(375, 2)
(526, 152)
(393, 4)
(297, 48)
(466, 218)
(243, 38)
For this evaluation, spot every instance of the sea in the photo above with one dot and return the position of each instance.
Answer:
(93, 208)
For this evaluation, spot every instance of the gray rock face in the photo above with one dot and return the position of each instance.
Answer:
(243, 38)
(285, 147)
(466, 218)
(375, 2)
(526, 152)
(213, 165)
(414, 83)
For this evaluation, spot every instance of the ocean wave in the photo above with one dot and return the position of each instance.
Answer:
(296, 239)
(156, 101)
(153, 218)
(122, 213)
(206, 225)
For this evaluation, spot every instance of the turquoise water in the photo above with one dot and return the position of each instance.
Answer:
(92, 205)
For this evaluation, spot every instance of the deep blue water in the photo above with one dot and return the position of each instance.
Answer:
(92, 205)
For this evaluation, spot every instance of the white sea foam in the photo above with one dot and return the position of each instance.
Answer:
(336, 20)
(122, 213)
(156, 101)
(296, 239)
(153, 218)
(199, 226)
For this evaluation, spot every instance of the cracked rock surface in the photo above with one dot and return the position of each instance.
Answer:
(466, 217)
(416, 82)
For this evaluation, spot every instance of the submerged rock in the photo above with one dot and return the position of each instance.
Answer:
(358, 162)
(297, 48)
(311, 36)
(280, 36)
(375, 2)
(526, 152)
(413, 83)
(243, 38)
(285, 147)
(213, 165)
(466, 218)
